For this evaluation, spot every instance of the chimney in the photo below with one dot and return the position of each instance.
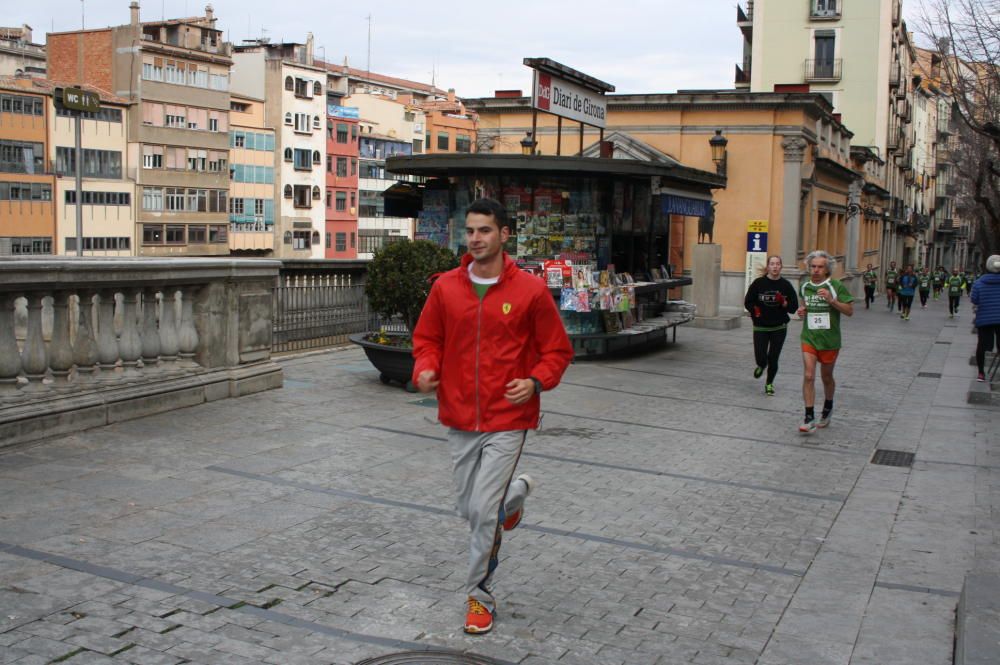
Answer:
(210, 15)
(451, 94)
(134, 9)
(26, 33)
(309, 48)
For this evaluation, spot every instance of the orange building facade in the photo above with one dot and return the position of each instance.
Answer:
(27, 208)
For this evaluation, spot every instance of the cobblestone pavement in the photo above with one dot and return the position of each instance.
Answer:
(679, 518)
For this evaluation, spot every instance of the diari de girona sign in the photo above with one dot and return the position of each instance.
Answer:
(569, 100)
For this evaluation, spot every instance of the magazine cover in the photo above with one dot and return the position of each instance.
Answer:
(583, 301)
(554, 277)
(569, 301)
(581, 278)
(611, 322)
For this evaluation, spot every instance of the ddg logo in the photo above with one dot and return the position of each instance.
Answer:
(544, 91)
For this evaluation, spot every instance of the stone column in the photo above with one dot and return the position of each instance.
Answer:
(10, 356)
(107, 343)
(168, 329)
(187, 334)
(34, 355)
(853, 225)
(150, 335)
(60, 351)
(706, 270)
(795, 148)
(85, 346)
(129, 343)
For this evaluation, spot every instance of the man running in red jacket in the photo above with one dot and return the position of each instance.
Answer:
(488, 340)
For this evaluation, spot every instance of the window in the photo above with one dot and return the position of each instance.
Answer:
(288, 154)
(96, 163)
(825, 8)
(353, 241)
(288, 191)
(300, 240)
(153, 70)
(317, 158)
(152, 198)
(341, 242)
(105, 114)
(239, 107)
(217, 161)
(152, 234)
(21, 157)
(97, 198)
(317, 91)
(24, 191)
(341, 167)
(353, 200)
(418, 146)
(217, 233)
(302, 123)
(463, 143)
(302, 160)
(341, 201)
(197, 160)
(288, 118)
(329, 198)
(196, 234)
(173, 198)
(152, 156)
(289, 83)
(316, 193)
(175, 235)
(824, 53)
(236, 206)
(443, 141)
(341, 133)
(303, 88)
(329, 163)
(301, 196)
(239, 140)
(354, 131)
(354, 165)
(316, 124)
(213, 124)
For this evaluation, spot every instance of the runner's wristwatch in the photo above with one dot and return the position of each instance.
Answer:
(538, 384)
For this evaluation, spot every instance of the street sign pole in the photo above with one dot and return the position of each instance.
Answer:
(79, 101)
(79, 183)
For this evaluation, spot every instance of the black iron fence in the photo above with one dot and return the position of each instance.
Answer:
(314, 312)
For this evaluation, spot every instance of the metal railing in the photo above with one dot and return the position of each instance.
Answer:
(314, 311)
(824, 70)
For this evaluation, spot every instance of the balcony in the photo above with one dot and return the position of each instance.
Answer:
(895, 12)
(86, 342)
(823, 70)
(894, 75)
(905, 110)
(946, 225)
(945, 127)
(824, 10)
(742, 76)
(744, 20)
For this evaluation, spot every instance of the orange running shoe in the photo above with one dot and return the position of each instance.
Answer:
(479, 620)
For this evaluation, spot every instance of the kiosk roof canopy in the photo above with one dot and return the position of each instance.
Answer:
(456, 164)
(568, 73)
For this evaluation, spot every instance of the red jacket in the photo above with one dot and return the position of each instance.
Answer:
(478, 346)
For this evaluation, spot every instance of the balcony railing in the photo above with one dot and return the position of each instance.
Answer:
(894, 75)
(742, 76)
(823, 70)
(824, 10)
(86, 342)
(744, 16)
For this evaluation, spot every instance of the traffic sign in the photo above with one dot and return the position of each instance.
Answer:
(757, 242)
(78, 99)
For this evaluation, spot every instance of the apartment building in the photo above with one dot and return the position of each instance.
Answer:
(252, 179)
(27, 208)
(176, 74)
(342, 165)
(450, 126)
(287, 77)
(19, 56)
(858, 55)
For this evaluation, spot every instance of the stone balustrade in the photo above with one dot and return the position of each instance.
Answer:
(86, 342)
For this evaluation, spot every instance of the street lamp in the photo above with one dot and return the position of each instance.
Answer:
(528, 144)
(718, 144)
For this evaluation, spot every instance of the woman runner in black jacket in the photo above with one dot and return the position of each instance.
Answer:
(770, 299)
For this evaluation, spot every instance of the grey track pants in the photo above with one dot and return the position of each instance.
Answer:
(484, 464)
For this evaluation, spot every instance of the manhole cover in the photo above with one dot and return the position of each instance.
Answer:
(930, 375)
(430, 658)
(892, 458)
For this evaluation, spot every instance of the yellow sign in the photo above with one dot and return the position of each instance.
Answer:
(757, 226)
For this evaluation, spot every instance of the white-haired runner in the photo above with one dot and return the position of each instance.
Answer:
(823, 300)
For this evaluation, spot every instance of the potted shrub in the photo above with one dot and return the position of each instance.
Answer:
(398, 284)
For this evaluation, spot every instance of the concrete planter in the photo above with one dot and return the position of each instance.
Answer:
(394, 364)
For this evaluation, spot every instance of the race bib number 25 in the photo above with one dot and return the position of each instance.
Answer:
(819, 321)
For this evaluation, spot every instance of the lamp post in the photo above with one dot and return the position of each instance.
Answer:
(718, 144)
(528, 144)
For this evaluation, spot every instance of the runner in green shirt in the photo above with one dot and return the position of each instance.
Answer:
(939, 276)
(955, 285)
(870, 278)
(823, 301)
(924, 286)
(891, 283)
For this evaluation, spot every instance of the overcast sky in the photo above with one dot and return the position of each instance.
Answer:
(636, 45)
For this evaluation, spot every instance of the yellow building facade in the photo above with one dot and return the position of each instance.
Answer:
(787, 160)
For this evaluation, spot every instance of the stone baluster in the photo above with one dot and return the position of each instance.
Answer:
(34, 355)
(85, 346)
(187, 334)
(107, 344)
(10, 357)
(60, 349)
(150, 335)
(129, 342)
(168, 330)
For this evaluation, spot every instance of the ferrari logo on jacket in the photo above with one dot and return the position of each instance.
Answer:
(506, 308)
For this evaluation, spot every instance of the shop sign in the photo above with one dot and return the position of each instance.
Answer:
(347, 112)
(757, 226)
(682, 205)
(569, 100)
(756, 261)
